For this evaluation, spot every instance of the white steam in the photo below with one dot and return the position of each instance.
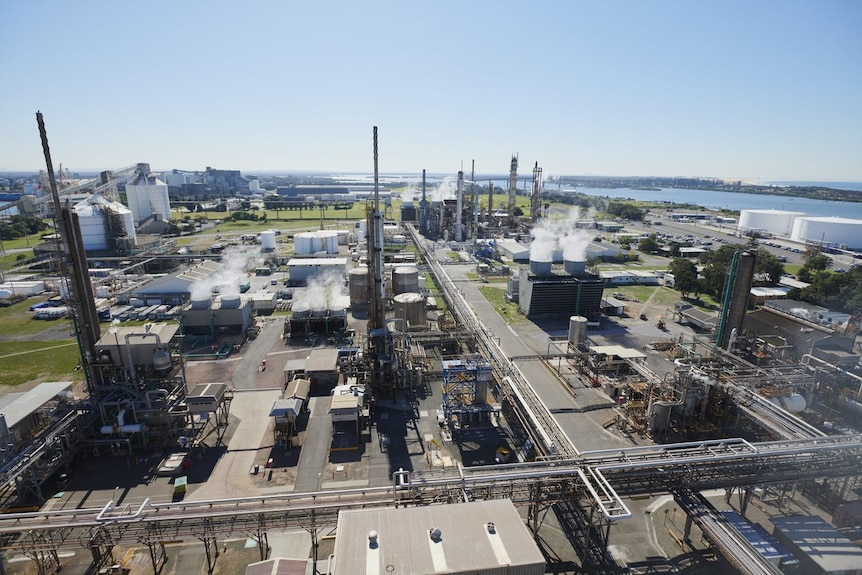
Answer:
(411, 193)
(235, 265)
(445, 190)
(325, 291)
(551, 235)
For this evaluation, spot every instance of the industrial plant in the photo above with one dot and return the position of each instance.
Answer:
(409, 426)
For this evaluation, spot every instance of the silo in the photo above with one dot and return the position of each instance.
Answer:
(575, 267)
(577, 329)
(328, 241)
(411, 306)
(405, 280)
(357, 281)
(267, 240)
(303, 243)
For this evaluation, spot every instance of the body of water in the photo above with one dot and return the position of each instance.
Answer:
(734, 201)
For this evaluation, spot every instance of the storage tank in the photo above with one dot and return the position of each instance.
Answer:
(577, 329)
(230, 301)
(575, 267)
(161, 359)
(411, 306)
(778, 222)
(309, 243)
(5, 294)
(357, 280)
(794, 403)
(540, 267)
(200, 303)
(405, 280)
(659, 415)
(100, 291)
(267, 240)
(833, 231)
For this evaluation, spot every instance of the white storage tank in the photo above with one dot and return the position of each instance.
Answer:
(267, 240)
(102, 291)
(411, 306)
(404, 280)
(794, 403)
(310, 243)
(778, 222)
(833, 231)
(577, 329)
(357, 280)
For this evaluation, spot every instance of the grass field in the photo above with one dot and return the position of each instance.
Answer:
(31, 361)
(507, 310)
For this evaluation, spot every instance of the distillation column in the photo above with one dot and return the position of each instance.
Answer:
(513, 188)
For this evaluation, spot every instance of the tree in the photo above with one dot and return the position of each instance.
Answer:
(816, 264)
(685, 277)
(649, 244)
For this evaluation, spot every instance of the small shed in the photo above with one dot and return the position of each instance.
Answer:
(299, 388)
(25, 412)
(206, 397)
(613, 306)
(321, 367)
(292, 368)
(345, 403)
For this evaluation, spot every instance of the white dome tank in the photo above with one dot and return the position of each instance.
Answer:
(405, 280)
(5, 294)
(357, 280)
(832, 231)
(411, 306)
(794, 403)
(267, 240)
(778, 222)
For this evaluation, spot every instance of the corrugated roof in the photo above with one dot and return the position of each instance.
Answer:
(277, 566)
(405, 543)
(618, 350)
(322, 360)
(27, 403)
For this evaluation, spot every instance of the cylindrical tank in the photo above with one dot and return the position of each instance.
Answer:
(405, 280)
(574, 267)
(161, 360)
(4, 294)
(794, 403)
(540, 267)
(832, 231)
(411, 306)
(100, 291)
(230, 301)
(659, 415)
(361, 230)
(577, 329)
(357, 280)
(200, 303)
(778, 222)
(267, 240)
(309, 243)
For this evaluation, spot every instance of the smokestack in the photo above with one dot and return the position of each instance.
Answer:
(535, 200)
(459, 208)
(423, 209)
(513, 189)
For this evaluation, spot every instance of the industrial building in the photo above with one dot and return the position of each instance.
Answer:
(303, 269)
(147, 195)
(478, 537)
(543, 292)
(106, 225)
(176, 288)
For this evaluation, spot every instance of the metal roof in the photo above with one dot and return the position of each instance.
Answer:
(291, 406)
(322, 360)
(477, 537)
(29, 402)
(821, 543)
(619, 351)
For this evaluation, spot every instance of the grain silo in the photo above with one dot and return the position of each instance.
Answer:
(411, 307)
(405, 280)
(357, 280)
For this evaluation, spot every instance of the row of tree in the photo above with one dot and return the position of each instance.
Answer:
(21, 226)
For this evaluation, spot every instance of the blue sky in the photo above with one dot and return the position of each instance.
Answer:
(735, 89)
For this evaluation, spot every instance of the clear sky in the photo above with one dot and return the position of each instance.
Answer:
(719, 88)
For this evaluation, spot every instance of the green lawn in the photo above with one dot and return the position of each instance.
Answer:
(27, 361)
(507, 310)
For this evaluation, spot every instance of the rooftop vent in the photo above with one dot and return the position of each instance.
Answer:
(492, 529)
(372, 539)
(436, 535)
